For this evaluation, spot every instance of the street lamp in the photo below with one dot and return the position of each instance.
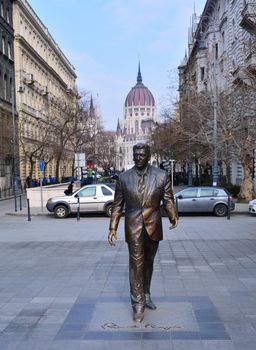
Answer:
(15, 177)
(201, 45)
(93, 133)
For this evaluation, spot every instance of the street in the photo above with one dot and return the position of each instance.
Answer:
(62, 287)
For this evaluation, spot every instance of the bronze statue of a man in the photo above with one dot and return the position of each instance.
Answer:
(141, 189)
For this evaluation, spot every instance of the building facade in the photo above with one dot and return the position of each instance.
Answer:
(139, 118)
(45, 92)
(8, 116)
(219, 51)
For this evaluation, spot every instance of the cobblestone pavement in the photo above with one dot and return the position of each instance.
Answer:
(63, 288)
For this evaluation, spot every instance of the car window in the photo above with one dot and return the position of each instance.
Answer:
(189, 193)
(221, 193)
(105, 191)
(88, 192)
(207, 192)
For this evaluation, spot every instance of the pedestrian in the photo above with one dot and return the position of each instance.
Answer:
(28, 182)
(69, 189)
(141, 189)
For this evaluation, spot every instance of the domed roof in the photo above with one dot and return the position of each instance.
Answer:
(139, 94)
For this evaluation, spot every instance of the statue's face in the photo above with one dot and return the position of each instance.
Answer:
(141, 158)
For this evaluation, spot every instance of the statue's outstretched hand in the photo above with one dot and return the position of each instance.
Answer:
(174, 223)
(112, 233)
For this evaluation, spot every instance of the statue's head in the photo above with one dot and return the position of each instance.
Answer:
(141, 155)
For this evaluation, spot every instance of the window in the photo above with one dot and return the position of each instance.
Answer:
(202, 73)
(105, 191)
(9, 50)
(88, 192)
(189, 193)
(10, 94)
(5, 87)
(207, 192)
(3, 45)
(8, 16)
(2, 9)
(216, 51)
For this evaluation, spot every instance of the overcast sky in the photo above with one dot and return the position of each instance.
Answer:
(105, 39)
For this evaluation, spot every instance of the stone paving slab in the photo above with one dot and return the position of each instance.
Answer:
(62, 287)
(74, 295)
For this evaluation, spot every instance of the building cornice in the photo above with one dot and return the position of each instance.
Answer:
(36, 21)
(24, 44)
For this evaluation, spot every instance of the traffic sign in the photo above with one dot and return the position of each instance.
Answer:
(41, 165)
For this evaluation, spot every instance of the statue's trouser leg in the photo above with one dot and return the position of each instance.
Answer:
(141, 259)
(136, 265)
(149, 256)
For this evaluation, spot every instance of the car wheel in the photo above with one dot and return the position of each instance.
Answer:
(108, 210)
(61, 211)
(221, 210)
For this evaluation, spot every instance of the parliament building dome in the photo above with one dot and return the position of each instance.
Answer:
(139, 95)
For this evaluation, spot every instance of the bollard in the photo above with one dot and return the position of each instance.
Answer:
(29, 216)
(176, 205)
(20, 203)
(228, 214)
(78, 209)
(15, 202)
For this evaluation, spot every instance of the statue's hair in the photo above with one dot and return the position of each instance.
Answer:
(141, 145)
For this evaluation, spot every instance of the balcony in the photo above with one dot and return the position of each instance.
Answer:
(249, 18)
(29, 79)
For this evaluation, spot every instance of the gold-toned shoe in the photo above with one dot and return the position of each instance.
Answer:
(138, 316)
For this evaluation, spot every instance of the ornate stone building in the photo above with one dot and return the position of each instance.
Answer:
(45, 91)
(139, 117)
(219, 51)
(8, 116)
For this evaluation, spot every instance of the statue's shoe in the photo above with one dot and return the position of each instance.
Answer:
(149, 303)
(138, 316)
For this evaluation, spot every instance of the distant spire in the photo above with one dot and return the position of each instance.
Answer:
(118, 125)
(91, 107)
(139, 77)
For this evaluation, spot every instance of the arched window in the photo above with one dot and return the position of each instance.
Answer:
(2, 9)
(8, 16)
(9, 51)
(136, 127)
(3, 45)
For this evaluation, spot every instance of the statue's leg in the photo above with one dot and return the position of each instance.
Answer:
(136, 267)
(149, 256)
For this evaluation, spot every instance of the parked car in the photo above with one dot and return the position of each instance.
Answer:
(97, 198)
(252, 207)
(204, 199)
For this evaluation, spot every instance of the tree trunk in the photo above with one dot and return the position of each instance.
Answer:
(32, 163)
(228, 172)
(246, 190)
(57, 169)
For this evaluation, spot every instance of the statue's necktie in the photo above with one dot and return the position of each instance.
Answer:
(141, 183)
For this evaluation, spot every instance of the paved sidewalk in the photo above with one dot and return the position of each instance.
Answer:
(63, 288)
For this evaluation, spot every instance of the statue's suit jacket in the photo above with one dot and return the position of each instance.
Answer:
(142, 209)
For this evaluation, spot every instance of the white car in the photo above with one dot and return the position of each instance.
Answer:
(252, 207)
(96, 198)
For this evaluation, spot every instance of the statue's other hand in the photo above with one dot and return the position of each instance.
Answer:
(174, 223)
(112, 233)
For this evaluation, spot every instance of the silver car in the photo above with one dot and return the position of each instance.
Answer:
(91, 198)
(252, 207)
(204, 199)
